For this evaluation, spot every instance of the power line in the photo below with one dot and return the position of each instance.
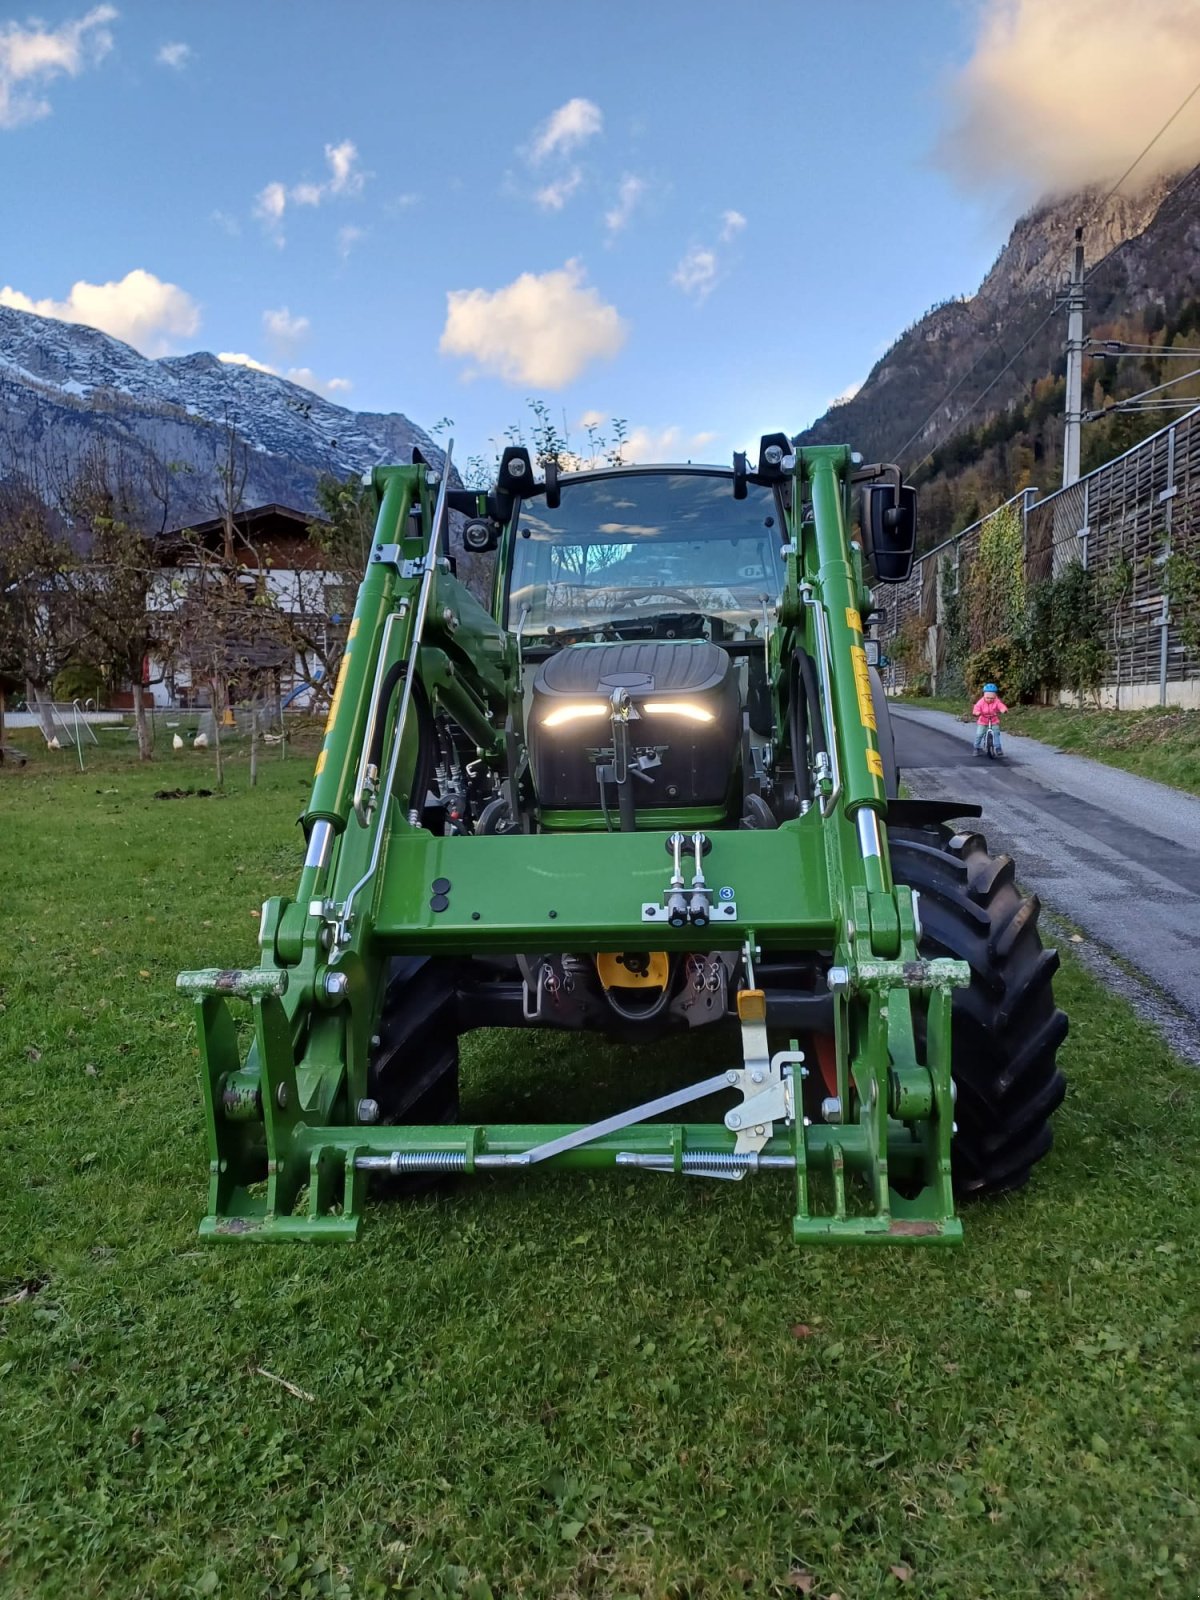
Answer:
(995, 342)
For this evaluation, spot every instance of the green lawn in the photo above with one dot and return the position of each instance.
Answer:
(557, 1387)
(1160, 742)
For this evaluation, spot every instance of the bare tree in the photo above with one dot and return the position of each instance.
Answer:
(40, 621)
(117, 523)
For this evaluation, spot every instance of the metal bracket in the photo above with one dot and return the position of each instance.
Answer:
(723, 911)
(388, 553)
(767, 1094)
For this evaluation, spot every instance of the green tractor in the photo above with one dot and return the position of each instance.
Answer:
(654, 788)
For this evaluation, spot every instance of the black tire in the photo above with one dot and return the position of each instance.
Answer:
(1006, 1027)
(413, 1072)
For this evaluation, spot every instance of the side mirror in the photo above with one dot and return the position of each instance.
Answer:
(889, 529)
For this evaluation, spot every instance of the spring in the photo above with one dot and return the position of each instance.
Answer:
(716, 1160)
(426, 1161)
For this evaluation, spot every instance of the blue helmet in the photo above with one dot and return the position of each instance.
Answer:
(990, 688)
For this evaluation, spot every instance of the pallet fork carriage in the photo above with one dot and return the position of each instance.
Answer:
(653, 787)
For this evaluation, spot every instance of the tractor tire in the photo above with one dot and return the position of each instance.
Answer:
(1006, 1029)
(413, 1072)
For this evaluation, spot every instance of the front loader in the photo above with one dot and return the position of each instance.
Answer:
(652, 789)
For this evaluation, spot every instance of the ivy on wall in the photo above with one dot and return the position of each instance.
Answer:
(995, 580)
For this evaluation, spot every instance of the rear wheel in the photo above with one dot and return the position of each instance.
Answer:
(1006, 1027)
(413, 1072)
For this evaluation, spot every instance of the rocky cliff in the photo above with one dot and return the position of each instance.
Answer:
(66, 388)
(1145, 252)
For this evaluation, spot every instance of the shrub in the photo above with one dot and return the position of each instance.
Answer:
(1005, 663)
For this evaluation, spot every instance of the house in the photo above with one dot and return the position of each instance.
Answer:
(277, 632)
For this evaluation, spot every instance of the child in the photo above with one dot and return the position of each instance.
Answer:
(987, 711)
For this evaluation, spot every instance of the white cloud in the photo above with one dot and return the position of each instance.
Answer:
(348, 237)
(591, 419)
(664, 444)
(304, 376)
(307, 379)
(1057, 96)
(629, 194)
(732, 223)
(345, 179)
(176, 55)
(567, 128)
(141, 309)
(237, 359)
(541, 329)
(226, 223)
(554, 196)
(271, 202)
(847, 393)
(285, 333)
(33, 55)
(696, 274)
(343, 164)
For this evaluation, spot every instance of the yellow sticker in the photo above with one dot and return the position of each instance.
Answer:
(862, 683)
(853, 620)
(353, 629)
(875, 763)
(320, 764)
(337, 694)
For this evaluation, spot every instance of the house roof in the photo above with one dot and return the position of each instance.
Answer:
(268, 519)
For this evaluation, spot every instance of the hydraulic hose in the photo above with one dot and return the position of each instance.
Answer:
(804, 716)
(426, 733)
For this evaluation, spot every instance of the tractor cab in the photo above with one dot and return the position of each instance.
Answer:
(644, 600)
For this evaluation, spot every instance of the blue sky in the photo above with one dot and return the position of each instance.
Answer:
(707, 219)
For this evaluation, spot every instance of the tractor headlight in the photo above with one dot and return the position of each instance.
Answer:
(678, 708)
(575, 712)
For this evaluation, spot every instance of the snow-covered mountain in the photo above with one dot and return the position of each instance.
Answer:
(65, 388)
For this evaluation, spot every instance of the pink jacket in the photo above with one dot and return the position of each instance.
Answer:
(988, 712)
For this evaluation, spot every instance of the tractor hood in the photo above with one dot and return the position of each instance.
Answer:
(684, 716)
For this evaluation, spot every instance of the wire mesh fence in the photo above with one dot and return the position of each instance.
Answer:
(1131, 523)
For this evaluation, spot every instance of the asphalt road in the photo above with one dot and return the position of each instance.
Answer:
(1115, 854)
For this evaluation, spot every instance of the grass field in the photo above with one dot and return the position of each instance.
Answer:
(632, 1386)
(1160, 742)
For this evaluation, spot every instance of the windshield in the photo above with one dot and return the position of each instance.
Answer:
(629, 547)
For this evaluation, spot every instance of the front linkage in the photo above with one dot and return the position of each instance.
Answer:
(294, 1133)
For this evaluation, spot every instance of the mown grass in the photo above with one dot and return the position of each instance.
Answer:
(561, 1387)
(1159, 742)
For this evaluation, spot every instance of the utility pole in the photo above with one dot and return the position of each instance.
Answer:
(1073, 409)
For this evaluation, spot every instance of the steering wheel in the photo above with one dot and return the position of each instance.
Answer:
(643, 597)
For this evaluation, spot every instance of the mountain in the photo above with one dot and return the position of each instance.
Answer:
(943, 387)
(65, 389)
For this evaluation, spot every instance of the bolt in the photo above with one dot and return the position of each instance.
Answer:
(281, 1097)
(831, 1108)
(756, 1077)
(760, 1128)
(368, 1110)
(838, 979)
(336, 984)
(731, 1077)
(733, 1120)
(376, 1041)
